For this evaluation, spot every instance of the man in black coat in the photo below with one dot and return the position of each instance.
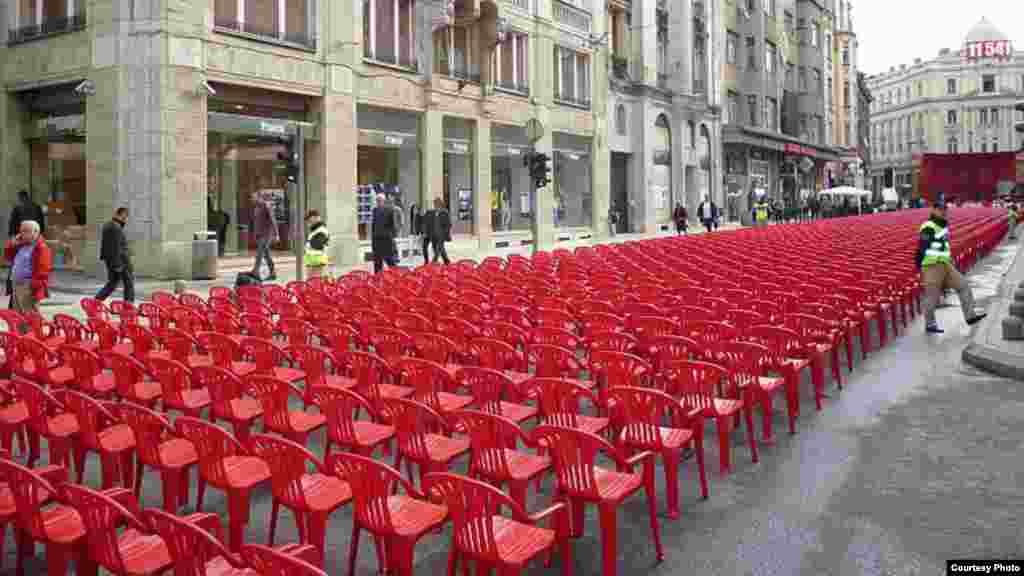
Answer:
(440, 230)
(114, 253)
(382, 235)
(25, 209)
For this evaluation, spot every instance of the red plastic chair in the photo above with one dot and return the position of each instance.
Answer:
(14, 415)
(87, 372)
(581, 481)
(641, 415)
(389, 343)
(156, 316)
(44, 517)
(38, 363)
(493, 455)
(101, 432)
(558, 401)
(226, 465)
(411, 322)
(178, 390)
(74, 332)
(163, 298)
(791, 355)
(482, 534)
(273, 562)
(341, 336)
(132, 379)
(298, 332)
(437, 348)
(139, 340)
(188, 319)
(257, 325)
(558, 362)
(135, 551)
(269, 359)
(397, 521)
(371, 373)
(226, 353)
(418, 443)
(669, 349)
(613, 369)
(48, 418)
(273, 394)
(489, 388)
(748, 365)
(431, 383)
(553, 336)
(341, 408)
(821, 339)
(616, 341)
(159, 446)
(321, 368)
(108, 337)
(181, 346)
(311, 496)
(229, 399)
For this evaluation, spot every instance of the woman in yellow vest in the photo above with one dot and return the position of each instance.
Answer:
(316, 245)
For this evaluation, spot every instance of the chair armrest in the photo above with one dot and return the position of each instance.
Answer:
(126, 498)
(635, 459)
(209, 522)
(548, 512)
(304, 552)
(53, 474)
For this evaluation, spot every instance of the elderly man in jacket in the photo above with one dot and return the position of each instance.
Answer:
(31, 264)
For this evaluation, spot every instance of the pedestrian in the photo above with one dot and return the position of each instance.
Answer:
(315, 258)
(708, 213)
(935, 261)
(264, 229)
(613, 221)
(1013, 221)
(426, 225)
(114, 253)
(396, 205)
(441, 230)
(25, 209)
(31, 264)
(382, 234)
(680, 216)
(761, 212)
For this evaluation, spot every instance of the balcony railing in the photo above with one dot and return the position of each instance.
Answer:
(520, 88)
(572, 100)
(400, 60)
(463, 73)
(261, 32)
(572, 16)
(49, 27)
(523, 5)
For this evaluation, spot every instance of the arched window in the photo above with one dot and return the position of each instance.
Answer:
(620, 120)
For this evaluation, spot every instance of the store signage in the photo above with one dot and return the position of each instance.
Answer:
(988, 49)
(272, 128)
(393, 140)
(458, 147)
(573, 156)
(514, 151)
(799, 150)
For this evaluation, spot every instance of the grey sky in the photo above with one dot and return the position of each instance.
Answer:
(894, 32)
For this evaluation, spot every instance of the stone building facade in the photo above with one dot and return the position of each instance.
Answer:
(181, 110)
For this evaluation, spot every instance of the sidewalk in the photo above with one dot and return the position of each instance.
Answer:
(988, 350)
(81, 284)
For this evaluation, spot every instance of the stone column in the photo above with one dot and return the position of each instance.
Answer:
(228, 173)
(431, 144)
(482, 188)
(14, 154)
(336, 156)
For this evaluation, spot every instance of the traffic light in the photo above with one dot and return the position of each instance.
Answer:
(540, 169)
(1019, 107)
(289, 159)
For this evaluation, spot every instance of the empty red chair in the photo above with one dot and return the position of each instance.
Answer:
(341, 337)
(87, 371)
(613, 369)
(159, 446)
(518, 338)
(493, 455)
(341, 408)
(181, 346)
(574, 455)
(397, 521)
(269, 359)
(555, 318)
(178, 390)
(298, 332)
(188, 319)
(226, 465)
(226, 353)
(139, 339)
(371, 373)
(411, 322)
(100, 431)
(500, 355)
(44, 517)
(489, 388)
(821, 340)
(163, 299)
(415, 428)
(553, 336)
(616, 341)
(431, 383)
(652, 420)
(74, 332)
(273, 394)
(790, 355)
(48, 418)
(38, 363)
(557, 362)
(558, 401)
(108, 337)
(230, 401)
(748, 365)
(135, 551)
(311, 496)
(390, 344)
(155, 315)
(321, 367)
(257, 325)
(96, 309)
(436, 348)
(482, 534)
(697, 385)
(275, 562)
(132, 379)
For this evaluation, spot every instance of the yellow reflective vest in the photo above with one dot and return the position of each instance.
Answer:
(314, 258)
(938, 250)
(762, 212)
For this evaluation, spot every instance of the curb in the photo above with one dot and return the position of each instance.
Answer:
(989, 358)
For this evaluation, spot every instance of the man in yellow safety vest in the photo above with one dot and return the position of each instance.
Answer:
(935, 261)
(762, 212)
(315, 258)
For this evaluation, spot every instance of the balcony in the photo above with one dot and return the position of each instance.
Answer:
(463, 73)
(523, 5)
(572, 16)
(511, 87)
(261, 33)
(49, 27)
(570, 100)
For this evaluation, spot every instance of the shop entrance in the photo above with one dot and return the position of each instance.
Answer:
(620, 190)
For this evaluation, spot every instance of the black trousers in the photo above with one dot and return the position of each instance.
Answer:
(426, 249)
(709, 224)
(439, 250)
(123, 276)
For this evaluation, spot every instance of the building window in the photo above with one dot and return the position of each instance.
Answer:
(815, 31)
(770, 56)
(951, 117)
(789, 74)
(803, 79)
(620, 120)
(994, 117)
(39, 18)
(771, 114)
(734, 107)
(751, 53)
(769, 7)
(732, 41)
(511, 63)
(818, 85)
(846, 55)
(572, 76)
(752, 110)
(454, 54)
(389, 33)
(291, 20)
(846, 95)
(827, 46)
(988, 83)
(951, 86)
(982, 117)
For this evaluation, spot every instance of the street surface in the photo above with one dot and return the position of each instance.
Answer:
(915, 462)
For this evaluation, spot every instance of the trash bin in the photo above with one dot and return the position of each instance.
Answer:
(204, 255)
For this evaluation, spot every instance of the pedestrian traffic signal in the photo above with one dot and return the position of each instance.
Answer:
(540, 169)
(289, 159)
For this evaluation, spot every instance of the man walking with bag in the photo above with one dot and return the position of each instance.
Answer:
(114, 253)
(264, 229)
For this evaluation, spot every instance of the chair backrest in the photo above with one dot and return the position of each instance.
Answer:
(268, 561)
(641, 412)
(213, 444)
(42, 359)
(142, 339)
(222, 348)
(369, 371)
(101, 516)
(694, 383)
(412, 421)
(273, 396)
(73, 331)
(554, 336)
(288, 462)
(163, 299)
(554, 361)
(29, 490)
(434, 347)
(515, 335)
(558, 400)
(595, 322)
(92, 416)
(614, 341)
(84, 363)
(179, 343)
(496, 354)
(127, 372)
(264, 353)
(341, 336)
(487, 386)
(257, 326)
(297, 331)
(490, 435)
(458, 330)
(315, 362)
(190, 545)
(95, 309)
(390, 343)
(341, 408)
(193, 301)
(619, 368)
(373, 483)
(151, 429)
(224, 385)
(173, 376)
(574, 456)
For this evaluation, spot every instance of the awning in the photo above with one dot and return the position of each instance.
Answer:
(777, 142)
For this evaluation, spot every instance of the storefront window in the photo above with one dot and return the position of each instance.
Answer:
(572, 181)
(459, 170)
(388, 163)
(58, 180)
(511, 201)
(661, 170)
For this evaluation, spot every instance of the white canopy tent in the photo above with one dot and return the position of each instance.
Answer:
(842, 192)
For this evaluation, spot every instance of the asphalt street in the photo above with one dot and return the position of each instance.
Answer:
(915, 461)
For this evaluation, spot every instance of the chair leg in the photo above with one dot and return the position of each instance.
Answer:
(766, 418)
(353, 550)
(670, 461)
(748, 414)
(275, 509)
(238, 512)
(652, 507)
(316, 533)
(837, 371)
(171, 490)
(724, 425)
(608, 514)
(698, 447)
